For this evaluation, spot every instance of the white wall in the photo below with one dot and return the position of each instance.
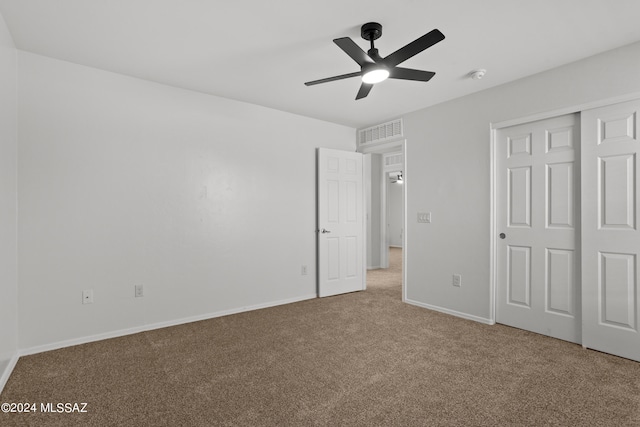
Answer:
(448, 163)
(8, 202)
(395, 218)
(207, 202)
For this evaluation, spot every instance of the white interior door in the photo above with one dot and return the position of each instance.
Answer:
(341, 227)
(610, 238)
(537, 219)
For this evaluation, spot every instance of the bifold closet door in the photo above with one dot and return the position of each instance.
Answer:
(610, 238)
(537, 218)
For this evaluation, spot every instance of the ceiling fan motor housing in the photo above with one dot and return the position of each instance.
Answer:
(371, 31)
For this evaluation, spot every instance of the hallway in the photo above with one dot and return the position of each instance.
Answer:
(388, 279)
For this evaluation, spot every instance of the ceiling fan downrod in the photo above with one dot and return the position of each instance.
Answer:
(372, 31)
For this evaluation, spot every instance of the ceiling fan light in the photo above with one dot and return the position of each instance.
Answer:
(375, 75)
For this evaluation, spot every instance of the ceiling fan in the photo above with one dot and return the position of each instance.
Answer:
(374, 68)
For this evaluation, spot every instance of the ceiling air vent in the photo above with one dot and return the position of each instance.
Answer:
(380, 133)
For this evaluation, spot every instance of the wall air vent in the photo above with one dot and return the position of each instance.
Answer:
(392, 160)
(380, 133)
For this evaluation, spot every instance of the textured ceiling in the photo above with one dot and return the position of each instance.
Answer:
(263, 51)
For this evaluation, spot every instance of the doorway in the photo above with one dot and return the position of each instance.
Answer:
(385, 192)
(395, 226)
(394, 206)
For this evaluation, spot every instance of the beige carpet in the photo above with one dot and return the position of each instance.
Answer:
(362, 359)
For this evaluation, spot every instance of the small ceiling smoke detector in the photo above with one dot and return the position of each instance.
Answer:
(478, 74)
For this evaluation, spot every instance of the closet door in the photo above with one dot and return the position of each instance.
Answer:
(538, 261)
(610, 237)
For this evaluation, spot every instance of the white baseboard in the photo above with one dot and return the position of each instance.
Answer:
(152, 326)
(6, 373)
(451, 312)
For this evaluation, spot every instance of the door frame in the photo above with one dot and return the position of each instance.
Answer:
(493, 178)
(399, 146)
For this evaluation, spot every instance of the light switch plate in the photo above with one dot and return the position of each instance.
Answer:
(424, 217)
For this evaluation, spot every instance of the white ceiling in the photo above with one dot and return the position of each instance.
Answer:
(263, 51)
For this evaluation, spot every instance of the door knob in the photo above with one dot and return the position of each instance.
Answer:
(502, 235)
(324, 231)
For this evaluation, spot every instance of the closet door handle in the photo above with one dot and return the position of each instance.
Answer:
(325, 231)
(502, 235)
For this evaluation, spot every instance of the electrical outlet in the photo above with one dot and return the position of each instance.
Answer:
(304, 270)
(139, 291)
(457, 280)
(87, 296)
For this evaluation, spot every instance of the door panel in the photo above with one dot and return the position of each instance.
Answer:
(519, 265)
(537, 198)
(560, 283)
(617, 191)
(520, 197)
(617, 282)
(560, 191)
(333, 258)
(341, 236)
(610, 239)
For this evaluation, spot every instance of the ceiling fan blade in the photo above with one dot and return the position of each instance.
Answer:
(354, 51)
(410, 74)
(414, 48)
(365, 88)
(331, 79)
